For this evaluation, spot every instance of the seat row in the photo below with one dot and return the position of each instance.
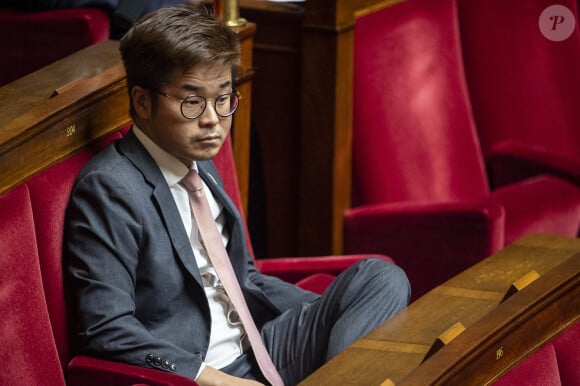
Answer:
(38, 347)
(446, 91)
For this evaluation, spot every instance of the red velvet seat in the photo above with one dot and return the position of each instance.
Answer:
(420, 191)
(36, 347)
(28, 352)
(31, 41)
(49, 192)
(523, 86)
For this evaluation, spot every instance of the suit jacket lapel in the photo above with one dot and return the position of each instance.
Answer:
(138, 155)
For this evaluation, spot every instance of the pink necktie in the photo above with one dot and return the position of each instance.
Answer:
(219, 258)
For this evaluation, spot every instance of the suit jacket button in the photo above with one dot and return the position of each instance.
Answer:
(173, 367)
(149, 358)
(158, 361)
(166, 364)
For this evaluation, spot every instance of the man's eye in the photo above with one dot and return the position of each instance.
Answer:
(223, 99)
(191, 102)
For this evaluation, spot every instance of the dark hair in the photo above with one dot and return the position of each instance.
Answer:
(175, 38)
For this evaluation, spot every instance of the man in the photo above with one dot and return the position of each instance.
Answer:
(146, 288)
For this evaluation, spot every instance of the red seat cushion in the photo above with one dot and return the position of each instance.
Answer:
(316, 283)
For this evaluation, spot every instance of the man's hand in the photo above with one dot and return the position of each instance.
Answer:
(212, 377)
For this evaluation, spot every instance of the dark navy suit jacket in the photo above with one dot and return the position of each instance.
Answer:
(137, 293)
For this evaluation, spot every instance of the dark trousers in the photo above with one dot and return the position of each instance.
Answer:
(304, 338)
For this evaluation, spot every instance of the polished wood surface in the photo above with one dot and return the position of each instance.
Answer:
(52, 113)
(39, 127)
(326, 129)
(498, 334)
(276, 115)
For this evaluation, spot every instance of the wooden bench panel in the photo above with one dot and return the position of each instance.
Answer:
(509, 331)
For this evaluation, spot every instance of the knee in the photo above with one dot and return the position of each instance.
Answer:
(390, 279)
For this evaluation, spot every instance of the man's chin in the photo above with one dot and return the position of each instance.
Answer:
(206, 154)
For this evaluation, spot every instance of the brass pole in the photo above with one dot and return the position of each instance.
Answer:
(231, 13)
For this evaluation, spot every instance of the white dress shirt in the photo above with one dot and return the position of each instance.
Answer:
(225, 343)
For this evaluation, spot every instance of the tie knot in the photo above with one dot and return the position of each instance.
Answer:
(192, 181)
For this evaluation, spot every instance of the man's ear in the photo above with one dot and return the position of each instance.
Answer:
(141, 99)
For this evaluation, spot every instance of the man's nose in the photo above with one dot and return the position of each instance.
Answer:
(209, 117)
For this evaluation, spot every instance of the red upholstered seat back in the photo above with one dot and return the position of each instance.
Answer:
(28, 353)
(49, 194)
(523, 86)
(413, 133)
(30, 41)
(555, 364)
(224, 162)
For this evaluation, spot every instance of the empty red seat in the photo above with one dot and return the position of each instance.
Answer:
(420, 189)
(521, 64)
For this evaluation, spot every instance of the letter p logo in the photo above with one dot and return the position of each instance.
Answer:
(557, 23)
(557, 20)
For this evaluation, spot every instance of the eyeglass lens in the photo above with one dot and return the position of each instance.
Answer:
(224, 105)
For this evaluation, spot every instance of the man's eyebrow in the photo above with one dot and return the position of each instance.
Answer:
(226, 84)
(196, 89)
(190, 88)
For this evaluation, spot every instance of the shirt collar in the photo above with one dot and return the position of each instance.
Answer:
(173, 170)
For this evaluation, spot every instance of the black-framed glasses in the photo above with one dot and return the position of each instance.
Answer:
(193, 106)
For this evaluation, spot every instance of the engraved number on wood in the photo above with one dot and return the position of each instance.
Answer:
(499, 353)
(70, 130)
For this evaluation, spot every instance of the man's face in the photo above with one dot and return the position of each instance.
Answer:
(187, 139)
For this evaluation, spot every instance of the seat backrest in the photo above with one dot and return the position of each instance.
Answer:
(49, 195)
(413, 134)
(28, 352)
(524, 87)
(224, 162)
(32, 40)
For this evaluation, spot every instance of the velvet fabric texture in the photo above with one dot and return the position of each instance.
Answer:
(557, 363)
(538, 369)
(420, 190)
(523, 86)
(28, 351)
(49, 193)
(568, 355)
(33, 40)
